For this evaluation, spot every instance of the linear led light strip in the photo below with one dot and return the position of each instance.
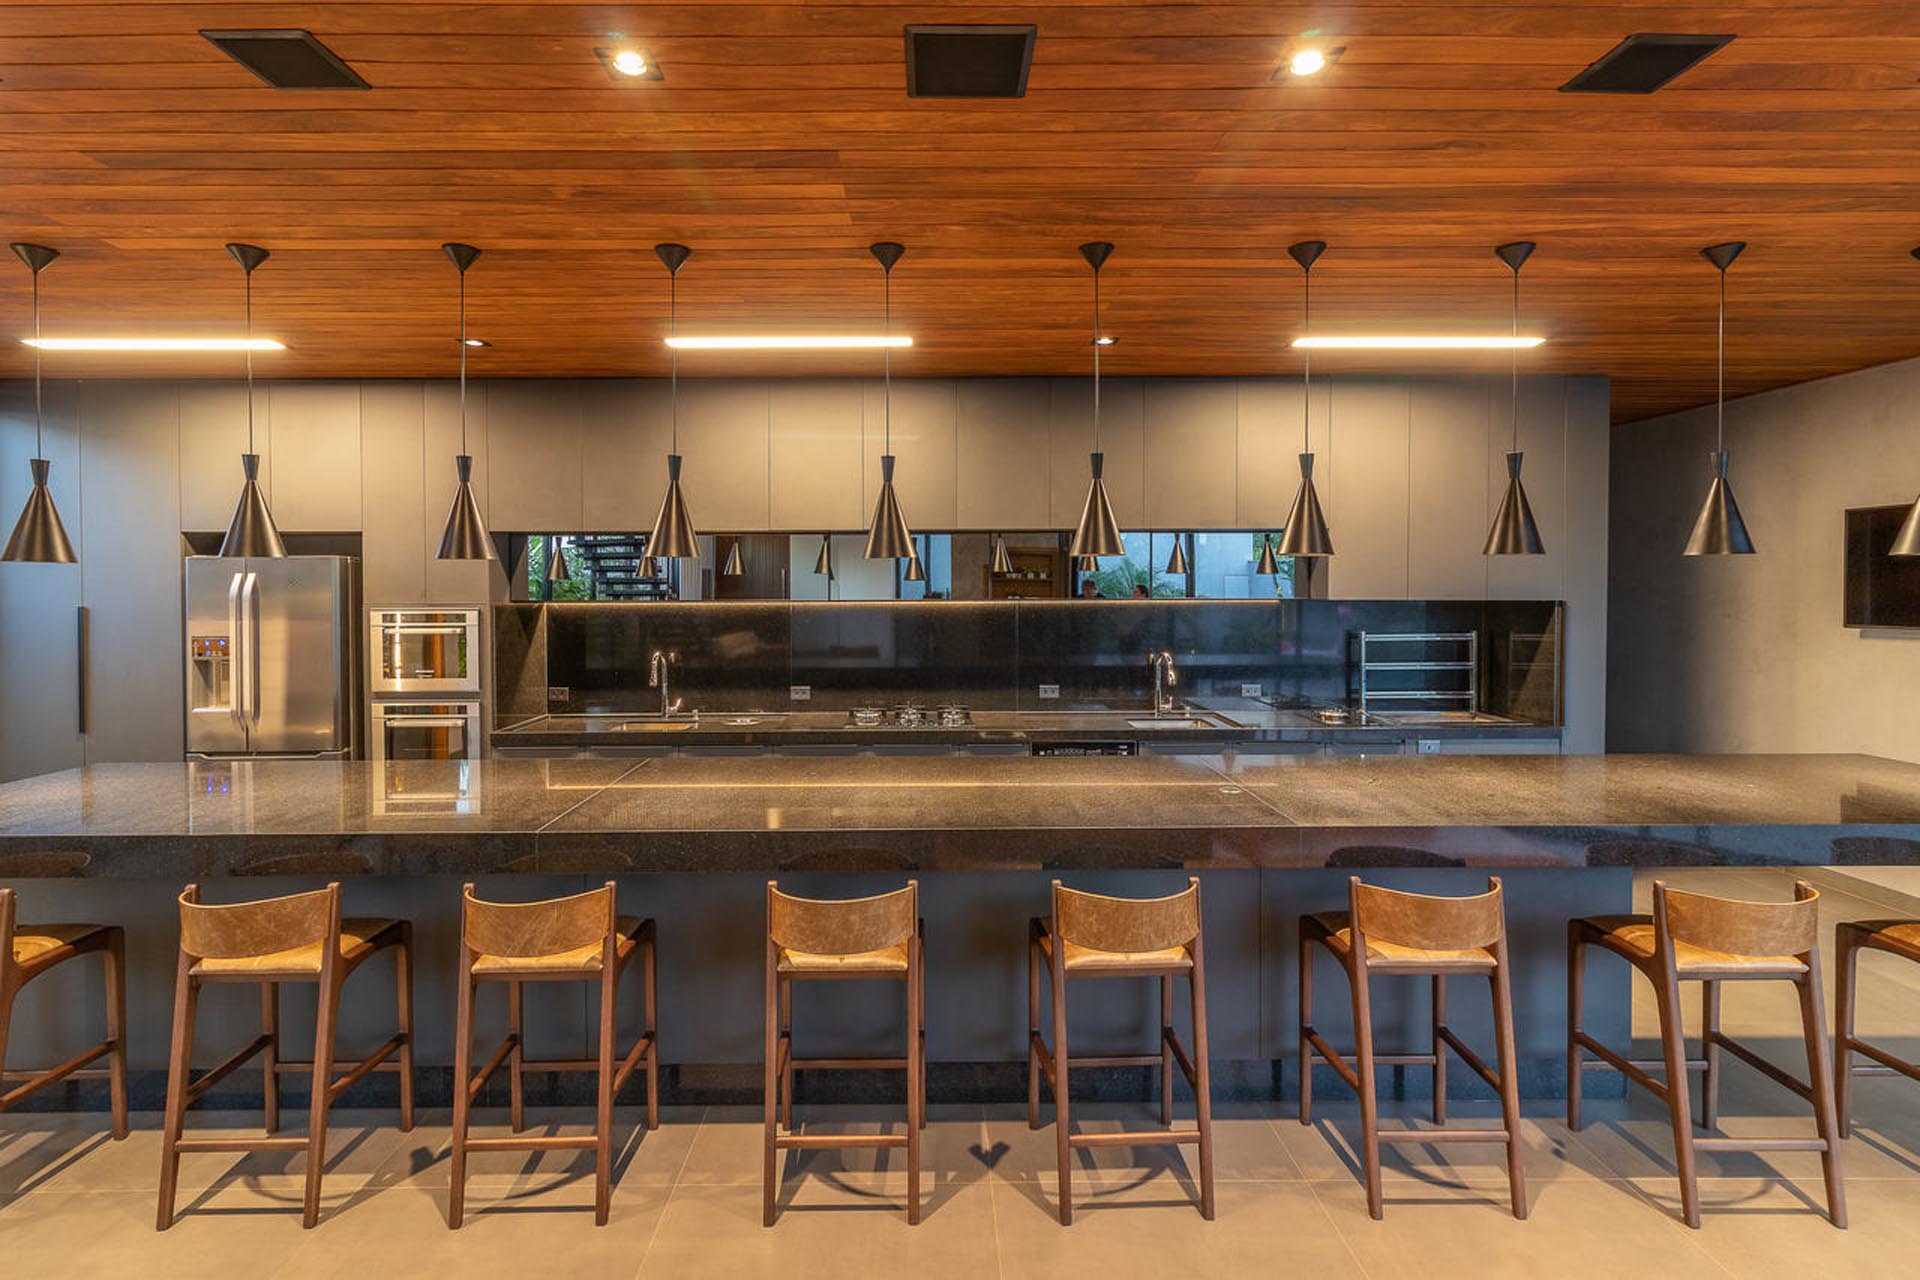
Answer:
(1496, 342)
(788, 342)
(156, 344)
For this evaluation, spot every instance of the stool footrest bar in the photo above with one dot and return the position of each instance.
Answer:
(1135, 1138)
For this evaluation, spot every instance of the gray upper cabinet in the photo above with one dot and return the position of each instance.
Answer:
(815, 442)
(213, 435)
(313, 429)
(1192, 446)
(723, 437)
(1002, 453)
(925, 427)
(534, 456)
(1122, 440)
(623, 450)
(392, 480)
(40, 603)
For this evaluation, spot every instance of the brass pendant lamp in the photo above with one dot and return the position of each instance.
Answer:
(1720, 530)
(38, 537)
(916, 571)
(1002, 562)
(557, 570)
(735, 565)
(823, 563)
(1098, 533)
(1177, 562)
(1514, 532)
(1907, 541)
(1267, 565)
(1305, 533)
(251, 532)
(465, 537)
(672, 533)
(888, 537)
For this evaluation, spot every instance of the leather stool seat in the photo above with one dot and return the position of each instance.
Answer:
(1385, 953)
(1632, 937)
(891, 959)
(1082, 959)
(359, 937)
(569, 960)
(1902, 937)
(32, 942)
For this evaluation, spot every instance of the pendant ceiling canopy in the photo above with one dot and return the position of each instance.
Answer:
(673, 532)
(1514, 532)
(1306, 532)
(1098, 533)
(38, 536)
(251, 532)
(1720, 530)
(888, 537)
(465, 537)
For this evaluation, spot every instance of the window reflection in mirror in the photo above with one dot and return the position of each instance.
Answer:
(957, 566)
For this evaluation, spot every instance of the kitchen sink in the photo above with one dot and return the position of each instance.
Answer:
(656, 726)
(1180, 722)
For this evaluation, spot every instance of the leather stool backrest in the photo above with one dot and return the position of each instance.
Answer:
(1426, 922)
(1736, 927)
(522, 930)
(1101, 923)
(842, 926)
(241, 930)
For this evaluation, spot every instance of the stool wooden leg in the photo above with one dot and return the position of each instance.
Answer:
(1673, 1044)
(1306, 1021)
(786, 1030)
(403, 1010)
(1576, 1022)
(1509, 1081)
(1847, 960)
(772, 1089)
(270, 1056)
(516, 1028)
(1710, 1051)
(650, 996)
(116, 995)
(1203, 1082)
(462, 1097)
(603, 1099)
(1063, 1149)
(179, 1062)
(916, 1099)
(1439, 1050)
(1033, 1031)
(321, 1102)
(1166, 1049)
(1369, 1102)
(922, 984)
(1813, 1018)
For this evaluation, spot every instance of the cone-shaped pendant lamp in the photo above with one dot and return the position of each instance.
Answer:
(557, 570)
(888, 537)
(823, 563)
(1514, 532)
(735, 565)
(672, 533)
(1720, 530)
(1306, 529)
(1098, 533)
(1266, 565)
(916, 571)
(1177, 562)
(465, 537)
(251, 532)
(1002, 562)
(649, 567)
(1907, 541)
(38, 537)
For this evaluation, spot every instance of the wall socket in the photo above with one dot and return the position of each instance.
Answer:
(1250, 690)
(1427, 746)
(558, 693)
(800, 693)
(1049, 692)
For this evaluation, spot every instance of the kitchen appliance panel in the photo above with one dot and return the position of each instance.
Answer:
(425, 731)
(424, 651)
(294, 613)
(215, 724)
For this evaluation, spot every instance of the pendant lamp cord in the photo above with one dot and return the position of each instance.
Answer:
(463, 359)
(39, 449)
(1096, 359)
(673, 352)
(249, 271)
(1513, 365)
(1306, 378)
(1720, 370)
(886, 362)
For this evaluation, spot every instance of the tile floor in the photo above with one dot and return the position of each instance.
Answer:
(687, 1199)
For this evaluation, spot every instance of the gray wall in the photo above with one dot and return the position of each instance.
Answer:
(1748, 653)
(1410, 473)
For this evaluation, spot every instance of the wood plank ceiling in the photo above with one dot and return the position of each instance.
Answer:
(781, 142)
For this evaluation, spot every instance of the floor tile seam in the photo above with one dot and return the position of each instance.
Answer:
(673, 1189)
(1326, 1212)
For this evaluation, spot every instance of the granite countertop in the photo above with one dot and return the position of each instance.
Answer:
(857, 813)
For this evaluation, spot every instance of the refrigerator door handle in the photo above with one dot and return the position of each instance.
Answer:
(250, 609)
(236, 645)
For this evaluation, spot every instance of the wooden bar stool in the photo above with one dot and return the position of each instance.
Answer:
(298, 938)
(1691, 937)
(1413, 935)
(29, 950)
(576, 939)
(809, 938)
(1093, 936)
(1895, 937)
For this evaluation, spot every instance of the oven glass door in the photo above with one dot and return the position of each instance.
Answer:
(425, 651)
(429, 732)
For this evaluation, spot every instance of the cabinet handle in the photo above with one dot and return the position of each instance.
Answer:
(81, 645)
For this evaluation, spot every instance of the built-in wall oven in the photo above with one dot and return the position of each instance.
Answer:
(425, 731)
(423, 651)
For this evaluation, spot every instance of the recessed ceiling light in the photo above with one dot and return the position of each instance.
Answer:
(627, 64)
(1105, 340)
(476, 342)
(1308, 60)
(1417, 342)
(156, 344)
(789, 342)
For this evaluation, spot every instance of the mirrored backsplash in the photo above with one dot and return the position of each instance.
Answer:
(583, 659)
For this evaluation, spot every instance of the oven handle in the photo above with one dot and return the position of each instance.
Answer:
(423, 629)
(432, 722)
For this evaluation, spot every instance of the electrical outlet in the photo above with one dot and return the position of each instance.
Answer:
(1427, 746)
(1049, 692)
(1250, 690)
(800, 692)
(558, 693)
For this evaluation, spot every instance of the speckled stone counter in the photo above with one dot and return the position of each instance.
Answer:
(685, 814)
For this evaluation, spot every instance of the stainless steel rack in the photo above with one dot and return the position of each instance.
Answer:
(1466, 667)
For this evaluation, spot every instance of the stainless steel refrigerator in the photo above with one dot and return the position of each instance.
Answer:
(272, 667)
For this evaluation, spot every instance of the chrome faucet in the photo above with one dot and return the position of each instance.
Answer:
(659, 665)
(1165, 677)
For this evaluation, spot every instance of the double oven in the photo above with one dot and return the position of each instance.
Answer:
(424, 675)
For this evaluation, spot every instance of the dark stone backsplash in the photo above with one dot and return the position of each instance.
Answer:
(736, 657)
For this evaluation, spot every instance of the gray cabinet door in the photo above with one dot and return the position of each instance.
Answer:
(39, 603)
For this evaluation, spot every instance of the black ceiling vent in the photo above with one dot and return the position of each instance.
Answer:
(289, 59)
(1643, 62)
(968, 61)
